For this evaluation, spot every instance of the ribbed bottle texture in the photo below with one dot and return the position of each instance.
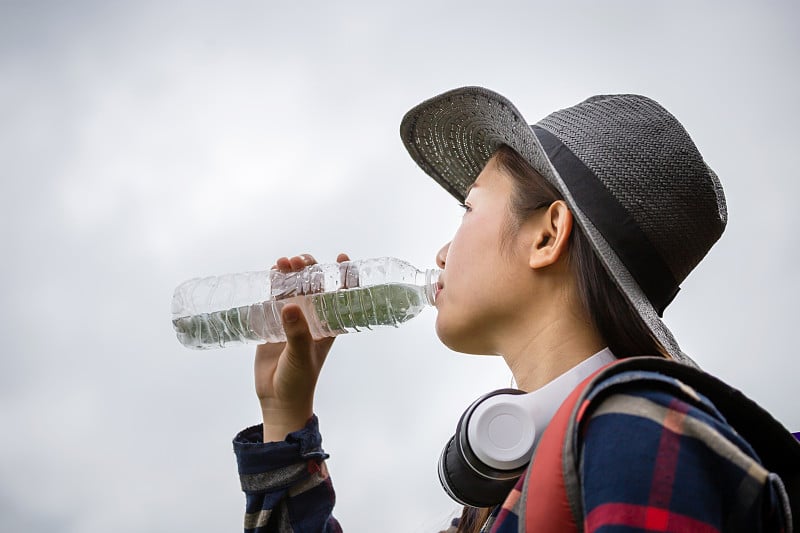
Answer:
(336, 298)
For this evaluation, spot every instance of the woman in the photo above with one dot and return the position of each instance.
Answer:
(576, 234)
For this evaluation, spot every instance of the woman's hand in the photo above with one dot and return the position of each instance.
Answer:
(286, 373)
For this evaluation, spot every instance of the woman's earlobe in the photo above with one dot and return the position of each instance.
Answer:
(542, 253)
(552, 238)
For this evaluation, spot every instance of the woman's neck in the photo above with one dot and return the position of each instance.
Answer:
(550, 347)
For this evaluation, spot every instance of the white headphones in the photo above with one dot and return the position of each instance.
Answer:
(496, 436)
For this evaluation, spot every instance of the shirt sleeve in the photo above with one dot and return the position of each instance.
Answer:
(658, 461)
(286, 484)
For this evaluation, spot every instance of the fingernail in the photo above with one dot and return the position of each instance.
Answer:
(290, 315)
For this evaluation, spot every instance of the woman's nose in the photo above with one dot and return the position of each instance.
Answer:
(442, 255)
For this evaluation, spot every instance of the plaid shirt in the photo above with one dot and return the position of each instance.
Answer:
(286, 484)
(651, 459)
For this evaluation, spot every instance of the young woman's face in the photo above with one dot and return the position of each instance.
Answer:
(483, 283)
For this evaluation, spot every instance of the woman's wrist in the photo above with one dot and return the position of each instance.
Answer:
(278, 423)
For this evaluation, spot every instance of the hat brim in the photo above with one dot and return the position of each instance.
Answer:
(453, 135)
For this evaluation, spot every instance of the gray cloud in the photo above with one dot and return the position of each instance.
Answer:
(147, 143)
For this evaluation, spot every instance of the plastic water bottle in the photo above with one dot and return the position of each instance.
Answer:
(336, 298)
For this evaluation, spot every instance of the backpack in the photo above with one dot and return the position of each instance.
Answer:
(551, 491)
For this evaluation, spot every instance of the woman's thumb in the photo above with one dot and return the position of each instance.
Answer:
(298, 336)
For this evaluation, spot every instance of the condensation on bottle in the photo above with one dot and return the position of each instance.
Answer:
(336, 298)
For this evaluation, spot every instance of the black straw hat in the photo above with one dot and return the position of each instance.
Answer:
(633, 178)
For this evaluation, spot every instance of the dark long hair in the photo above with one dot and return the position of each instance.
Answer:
(618, 323)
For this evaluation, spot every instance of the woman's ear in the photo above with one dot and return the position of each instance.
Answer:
(551, 233)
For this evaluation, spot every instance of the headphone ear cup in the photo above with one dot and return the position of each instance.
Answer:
(466, 478)
(465, 485)
(498, 434)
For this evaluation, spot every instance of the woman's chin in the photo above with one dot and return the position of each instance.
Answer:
(461, 339)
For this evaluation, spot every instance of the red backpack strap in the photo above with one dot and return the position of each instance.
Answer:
(546, 505)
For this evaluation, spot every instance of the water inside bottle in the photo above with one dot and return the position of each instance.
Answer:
(336, 312)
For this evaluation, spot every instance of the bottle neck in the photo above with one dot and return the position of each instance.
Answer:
(429, 280)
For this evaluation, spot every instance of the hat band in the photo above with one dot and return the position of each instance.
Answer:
(613, 221)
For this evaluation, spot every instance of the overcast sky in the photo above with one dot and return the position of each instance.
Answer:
(144, 143)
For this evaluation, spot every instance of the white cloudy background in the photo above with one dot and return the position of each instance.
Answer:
(143, 143)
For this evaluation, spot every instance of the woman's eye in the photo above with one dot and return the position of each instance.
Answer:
(466, 207)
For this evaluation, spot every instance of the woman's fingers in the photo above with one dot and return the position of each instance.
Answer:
(295, 263)
(299, 262)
